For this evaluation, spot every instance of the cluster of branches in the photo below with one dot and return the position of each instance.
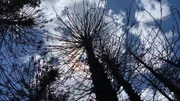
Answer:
(129, 62)
(20, 20)
(91, 56)
(30, 81)
(20, 38)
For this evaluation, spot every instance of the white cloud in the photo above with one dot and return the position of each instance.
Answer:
(118, 18)
(59, 5)
(51, 7)
(154, 8)
(148, 95)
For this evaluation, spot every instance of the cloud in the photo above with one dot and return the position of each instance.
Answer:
(154, 7)
(59, 5)
(148, 94)
(154, 32)
(51, 7)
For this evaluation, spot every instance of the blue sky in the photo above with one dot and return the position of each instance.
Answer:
(116, 6)
(120, 4)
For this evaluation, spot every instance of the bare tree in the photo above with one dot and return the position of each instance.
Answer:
(103, 63)
(158, 53)
(80, 34)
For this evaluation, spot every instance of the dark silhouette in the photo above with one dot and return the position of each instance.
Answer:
(91, 55)
(81, 32)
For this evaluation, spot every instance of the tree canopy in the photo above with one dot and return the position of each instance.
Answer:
(88, 55)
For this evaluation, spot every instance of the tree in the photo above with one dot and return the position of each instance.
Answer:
(19, 21)
(19, 37)
(30, 81)
(80, 33)
(89, 49)
(119, 63)
(110, 53)
(157, 53)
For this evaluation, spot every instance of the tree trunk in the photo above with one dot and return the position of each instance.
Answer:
(133, 96)
(102, 85)
(127, 87)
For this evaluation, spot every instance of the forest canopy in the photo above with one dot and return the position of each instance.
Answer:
(88, 51)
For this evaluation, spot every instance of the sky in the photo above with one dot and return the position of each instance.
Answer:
(117, 10)
(117, 7)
